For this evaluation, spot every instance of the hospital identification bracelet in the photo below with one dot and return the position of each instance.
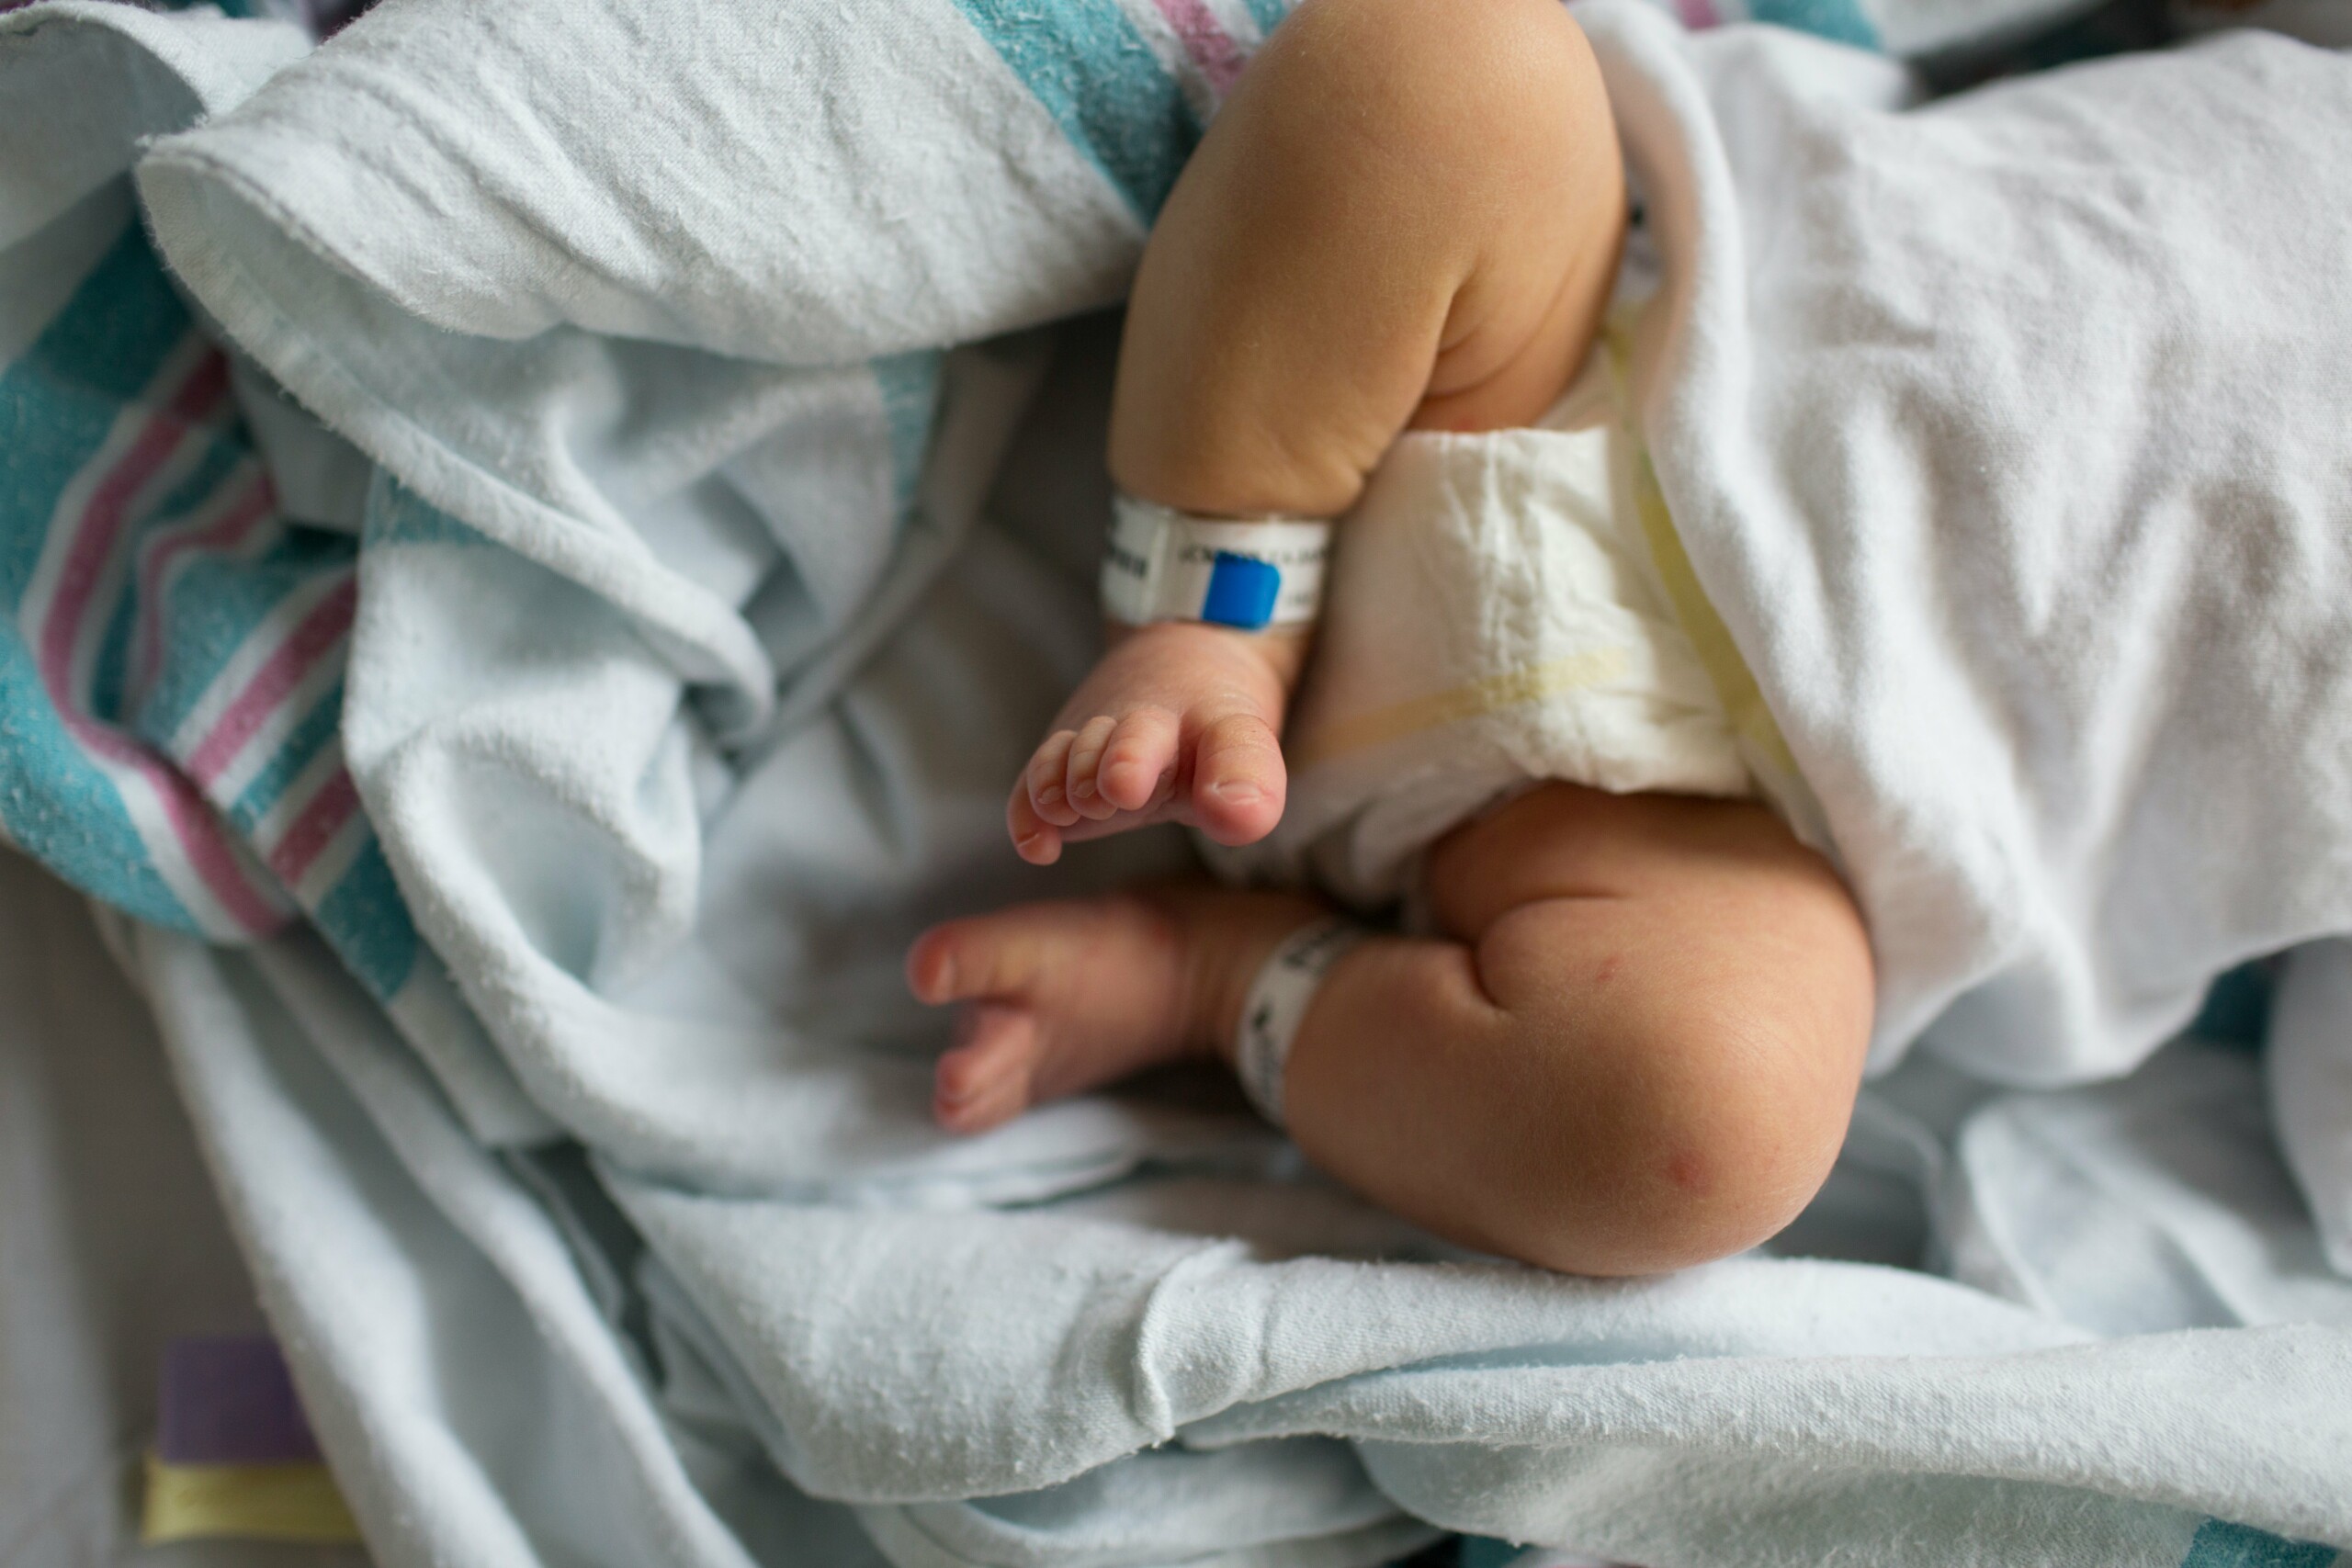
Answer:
(1277, 1005)
(1248, 573)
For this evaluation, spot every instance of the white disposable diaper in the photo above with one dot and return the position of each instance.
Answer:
(1494, 619)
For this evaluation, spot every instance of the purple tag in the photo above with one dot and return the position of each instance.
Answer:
(227, 1399)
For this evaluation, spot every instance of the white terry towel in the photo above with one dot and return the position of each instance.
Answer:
(531, 757)
(2011, 437)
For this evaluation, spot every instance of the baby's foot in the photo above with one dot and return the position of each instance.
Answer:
(1060, 998)
(1177, 722)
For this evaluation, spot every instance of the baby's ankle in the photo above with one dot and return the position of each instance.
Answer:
(1225, 936)
(1282, 651)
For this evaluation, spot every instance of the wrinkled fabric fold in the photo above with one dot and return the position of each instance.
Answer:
(599, 639)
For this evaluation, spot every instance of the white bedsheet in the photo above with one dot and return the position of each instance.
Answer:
(612, 1227)
(111, 1243)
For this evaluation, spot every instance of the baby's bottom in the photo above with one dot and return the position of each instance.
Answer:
(1633, 1046)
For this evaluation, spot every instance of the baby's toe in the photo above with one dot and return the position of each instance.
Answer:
(1046, 780)
(930, 966)
(985, 1079)
(1140, 763)
(983, 955)
(1082, 787)
(1237, 780)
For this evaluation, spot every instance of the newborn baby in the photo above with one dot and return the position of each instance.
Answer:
(1633, 1032)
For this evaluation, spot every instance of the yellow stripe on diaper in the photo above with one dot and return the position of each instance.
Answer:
(1488, 694)
(254, 1502)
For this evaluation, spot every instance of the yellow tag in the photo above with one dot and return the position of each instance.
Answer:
(256, 1502)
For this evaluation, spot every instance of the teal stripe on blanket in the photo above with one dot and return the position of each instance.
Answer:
(1093, 72)
(368, 925)
(1841, 20)
(58, 400)
(910, 388)
(216, 603)
(224, 457)
(1268, 13)
(59, 809)
(109, 669)
(2220, 1544)
(301, 747)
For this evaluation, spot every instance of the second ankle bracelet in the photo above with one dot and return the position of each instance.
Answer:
(1277, 1003)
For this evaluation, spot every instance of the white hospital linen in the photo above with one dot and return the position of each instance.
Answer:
(1115, 1325)
(2310, 1086)
(2011, 437)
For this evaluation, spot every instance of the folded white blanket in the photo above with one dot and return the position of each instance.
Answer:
(604, 1222)
(2011, 439)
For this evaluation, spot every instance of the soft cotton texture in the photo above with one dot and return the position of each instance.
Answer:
(581, 1155)
(2008, 438)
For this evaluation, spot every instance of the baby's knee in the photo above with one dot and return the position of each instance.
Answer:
(1729, 1148)
(1700, 1109)
(1683, 1164)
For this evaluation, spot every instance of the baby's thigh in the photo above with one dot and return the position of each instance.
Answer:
(1409, 211)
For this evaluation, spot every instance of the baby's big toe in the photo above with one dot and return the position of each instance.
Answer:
(931, 964)
(1239, 781)
(979, 956)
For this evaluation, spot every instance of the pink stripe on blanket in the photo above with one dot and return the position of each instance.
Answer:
(255, 504)
(335, 804)
(1213, 52)
(1698, 15)
(103, 516)
(192, 822)
(312, 637)
(95, 533)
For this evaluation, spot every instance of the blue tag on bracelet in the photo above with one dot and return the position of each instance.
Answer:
(1248, 573)
(1242, 590)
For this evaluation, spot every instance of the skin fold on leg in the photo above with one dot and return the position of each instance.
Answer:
(1633, 1045)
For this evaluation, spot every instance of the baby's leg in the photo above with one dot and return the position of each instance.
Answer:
(1633, 1048)
(1408, 212)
